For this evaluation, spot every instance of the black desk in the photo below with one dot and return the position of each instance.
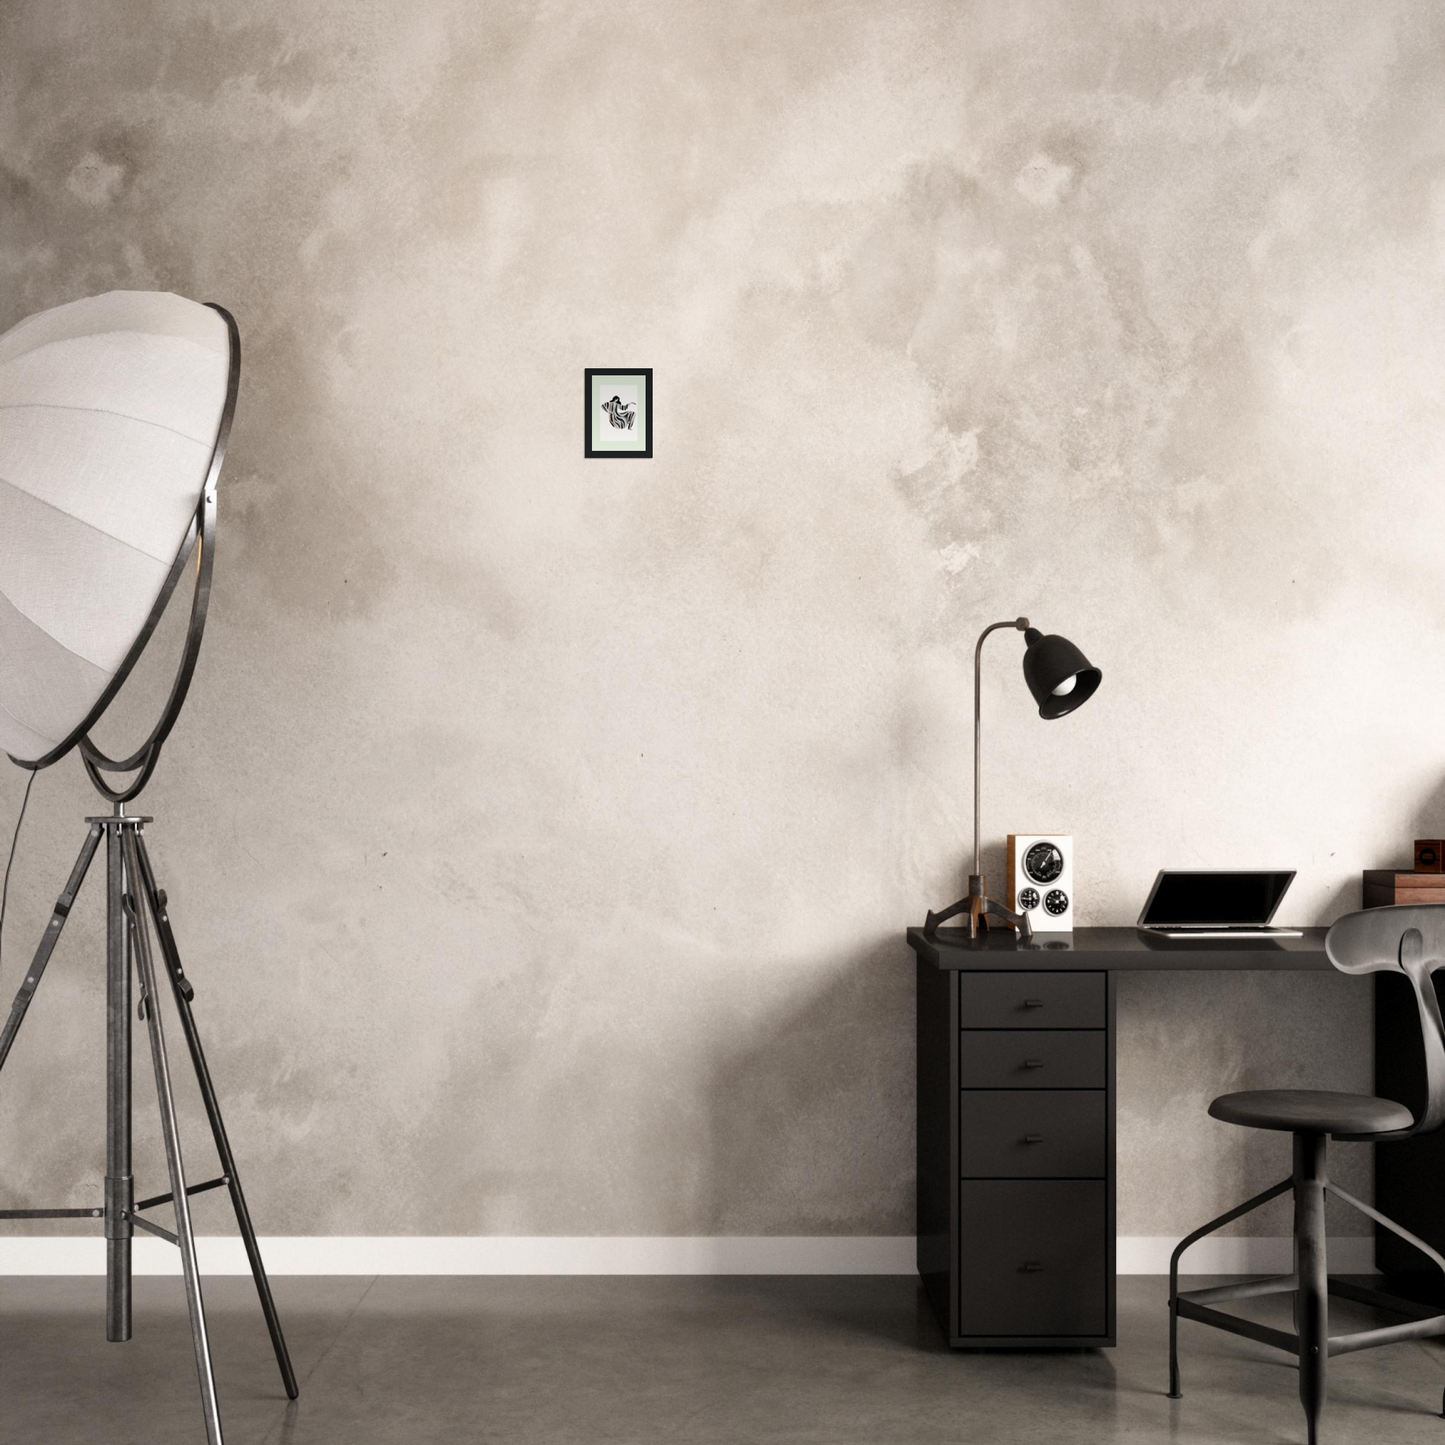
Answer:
(1016, 1121)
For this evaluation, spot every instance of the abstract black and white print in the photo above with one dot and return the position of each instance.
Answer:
(621, 414)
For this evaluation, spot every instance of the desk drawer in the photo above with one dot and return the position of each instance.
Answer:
(1033, 1000)
(1033, 1134)
(1032, 1059)
(1033, 1257)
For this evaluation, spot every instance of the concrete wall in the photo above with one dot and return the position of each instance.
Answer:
(542, 831)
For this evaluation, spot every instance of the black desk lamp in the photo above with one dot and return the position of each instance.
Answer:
(1060, 678)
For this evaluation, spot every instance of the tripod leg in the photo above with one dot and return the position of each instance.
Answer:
(183, 994)
(48, 941)
(170, 1131)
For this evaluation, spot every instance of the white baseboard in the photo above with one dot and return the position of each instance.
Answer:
(482, 1254)
(699, 1255)
(1238, 1254)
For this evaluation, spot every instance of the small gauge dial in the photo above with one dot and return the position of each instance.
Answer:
(1029, 898)
(1056, 901)
(1043, 862)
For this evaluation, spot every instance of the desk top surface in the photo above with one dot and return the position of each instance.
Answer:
(1118, 948)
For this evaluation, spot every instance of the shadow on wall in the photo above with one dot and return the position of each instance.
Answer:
(812, 1128)
(1428, 822)
(1345, 899)
(811, 1117)
(811, 1104)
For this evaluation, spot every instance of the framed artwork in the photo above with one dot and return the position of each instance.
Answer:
(618, 411)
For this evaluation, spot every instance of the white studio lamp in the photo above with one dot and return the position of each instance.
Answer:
(114, 416)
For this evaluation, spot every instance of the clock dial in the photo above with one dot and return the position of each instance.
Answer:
(1029, 898)
(1043, 862)
(1056, 901)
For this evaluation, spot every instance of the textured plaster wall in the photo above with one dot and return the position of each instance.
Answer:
(542, 831)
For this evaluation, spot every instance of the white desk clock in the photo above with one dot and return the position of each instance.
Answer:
(1041, 879)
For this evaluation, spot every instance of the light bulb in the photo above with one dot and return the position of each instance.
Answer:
(1066, 686)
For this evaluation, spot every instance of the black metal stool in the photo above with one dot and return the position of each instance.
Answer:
(1408, 940)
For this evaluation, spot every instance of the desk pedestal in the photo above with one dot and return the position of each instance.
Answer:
(1016, 1155)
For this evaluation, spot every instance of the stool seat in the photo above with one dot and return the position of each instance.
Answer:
(1313, 1111)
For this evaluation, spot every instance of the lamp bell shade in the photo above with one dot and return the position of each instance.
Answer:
(110, 408)
(1060, 677)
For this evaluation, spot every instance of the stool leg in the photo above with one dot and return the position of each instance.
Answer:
(1228, 1217)
(1175, 1393)
(1312, 1308)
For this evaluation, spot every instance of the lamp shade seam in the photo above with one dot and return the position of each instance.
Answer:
(83, 522)
(100, 411)
(40, 626)
(29, 726)
(20, 326)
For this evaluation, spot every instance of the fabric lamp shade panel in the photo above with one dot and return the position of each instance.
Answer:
(109, 413)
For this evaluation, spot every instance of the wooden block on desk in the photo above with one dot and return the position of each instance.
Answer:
(1430, 855)
(1384, 887)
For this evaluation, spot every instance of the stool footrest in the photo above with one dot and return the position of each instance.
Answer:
(1378, 1299)
(1425, 1324)
(1248, 1289)
(1236, 1326)
(1387, 1335)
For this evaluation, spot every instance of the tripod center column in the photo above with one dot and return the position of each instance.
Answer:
(119, 1183)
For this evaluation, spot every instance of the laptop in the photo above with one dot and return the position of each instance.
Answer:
(1216, 905)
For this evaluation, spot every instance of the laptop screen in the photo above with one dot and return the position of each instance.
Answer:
(1215, 898)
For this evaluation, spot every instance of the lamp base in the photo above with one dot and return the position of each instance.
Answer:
(979, 907)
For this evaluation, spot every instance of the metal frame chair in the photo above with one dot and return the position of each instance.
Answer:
(1408, 940)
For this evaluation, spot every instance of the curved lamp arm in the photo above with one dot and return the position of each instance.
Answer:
(1021, 624)
(978, 905)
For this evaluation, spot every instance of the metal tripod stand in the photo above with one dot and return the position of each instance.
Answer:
(135, 906)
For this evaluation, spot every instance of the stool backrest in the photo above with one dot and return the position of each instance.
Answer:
(1410, 940)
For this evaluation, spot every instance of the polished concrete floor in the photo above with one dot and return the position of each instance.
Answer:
(684, 1361)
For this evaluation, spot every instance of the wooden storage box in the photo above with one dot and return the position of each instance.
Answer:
(1385, 887)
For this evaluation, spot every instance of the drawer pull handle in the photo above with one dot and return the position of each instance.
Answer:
(1033, 1063)
(1032, 1266)
(1033, 1139)
(1033, 1003)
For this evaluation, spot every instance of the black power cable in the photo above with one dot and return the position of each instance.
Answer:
(5, 889)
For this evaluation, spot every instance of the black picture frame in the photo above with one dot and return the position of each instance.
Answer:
(630, 373)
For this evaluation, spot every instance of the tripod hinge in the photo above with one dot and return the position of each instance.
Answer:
(168, 946)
